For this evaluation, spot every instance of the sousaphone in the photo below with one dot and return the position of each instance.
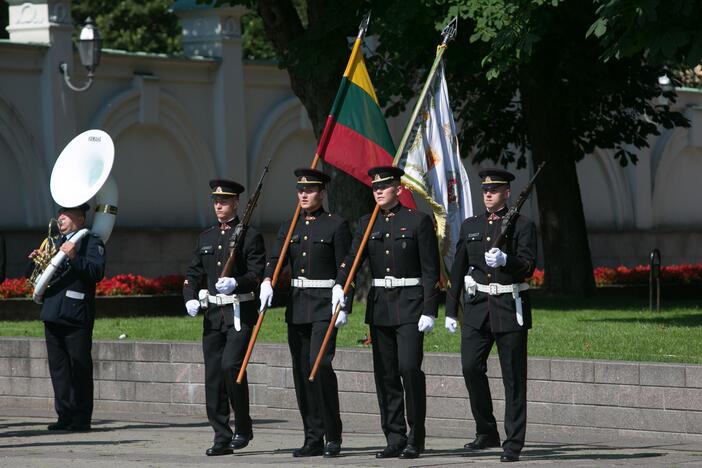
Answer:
(81, 172)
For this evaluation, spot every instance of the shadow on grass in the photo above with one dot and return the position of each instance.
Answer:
(693, 320)
(622, 304)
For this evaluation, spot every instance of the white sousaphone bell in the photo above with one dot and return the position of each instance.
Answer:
(81, 172)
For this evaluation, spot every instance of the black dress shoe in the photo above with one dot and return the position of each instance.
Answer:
(509, 457)
(410, 452)
(482, 442)
(78, 427)
(391, 451)
(309, 451)
(332, 449)
(59, 426)
(239, 441)
(218, 449)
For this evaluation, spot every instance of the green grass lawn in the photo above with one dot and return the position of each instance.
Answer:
(621, 329)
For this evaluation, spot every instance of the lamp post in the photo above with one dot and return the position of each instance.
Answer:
(89, 49)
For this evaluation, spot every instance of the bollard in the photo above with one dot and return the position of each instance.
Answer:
(654, 274)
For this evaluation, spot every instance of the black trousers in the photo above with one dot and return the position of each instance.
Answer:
(397, 366)
(71, 369)
(224, 351)
(512, 350)
(319, 400)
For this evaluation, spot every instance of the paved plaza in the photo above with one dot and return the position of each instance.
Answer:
(127, 440)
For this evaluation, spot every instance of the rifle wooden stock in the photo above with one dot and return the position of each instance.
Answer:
(347, 286)
(274, 281)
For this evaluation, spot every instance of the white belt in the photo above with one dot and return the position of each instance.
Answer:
(495, 289)
(225, 299)
(392, 282)
(302, 282)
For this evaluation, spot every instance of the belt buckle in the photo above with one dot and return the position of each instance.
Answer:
(388, 282)
(493, 289)
(218, 300)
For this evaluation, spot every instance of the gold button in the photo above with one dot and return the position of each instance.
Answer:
(219, 263)
(304, 254)
(222, 232)
(387, 234)
(302, 270)
(387, 219)
(304, 238)
(489, 222)
(219, 247)
(387, 252)
(489, 275)
(488, 238)
(388, 270)
(307, 222)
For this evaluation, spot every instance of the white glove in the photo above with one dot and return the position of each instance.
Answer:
(225, 285)
(193, 307)
(426, 323)
(337, 297)
(451, 324)
(341, 320)
(266, 295)
(495, 258)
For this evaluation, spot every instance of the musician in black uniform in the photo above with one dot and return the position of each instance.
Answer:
(496, 310)
(229, 316)
(402, 305)
(68, 313)
(319, 243)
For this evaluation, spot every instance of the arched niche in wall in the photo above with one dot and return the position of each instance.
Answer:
(24, 181)
(605, 192)
(162, 165)
(676, 179)
(285, 135)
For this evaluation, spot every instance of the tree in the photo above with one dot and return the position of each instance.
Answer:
(132, 25)
(525, 79)
(558, 99)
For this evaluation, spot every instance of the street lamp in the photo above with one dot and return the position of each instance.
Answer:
(89, 49)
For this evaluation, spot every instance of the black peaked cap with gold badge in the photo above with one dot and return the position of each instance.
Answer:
(225, 188)
(495, 177)
(383, 176)
(307, 178)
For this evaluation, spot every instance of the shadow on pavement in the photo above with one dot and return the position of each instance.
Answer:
(64, 443)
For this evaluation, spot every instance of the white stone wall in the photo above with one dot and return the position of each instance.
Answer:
(177, 122)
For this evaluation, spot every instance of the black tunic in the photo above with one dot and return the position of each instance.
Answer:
(477, 236)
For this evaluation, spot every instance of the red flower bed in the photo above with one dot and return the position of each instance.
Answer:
(621, 275)
(120, 285)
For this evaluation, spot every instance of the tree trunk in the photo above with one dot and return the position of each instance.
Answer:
(316, 85)
(315, 79)
(567, 260)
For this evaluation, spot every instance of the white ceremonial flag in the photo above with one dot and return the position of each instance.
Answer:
(433, 167)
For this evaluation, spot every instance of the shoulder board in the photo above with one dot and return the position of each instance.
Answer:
(208, 229)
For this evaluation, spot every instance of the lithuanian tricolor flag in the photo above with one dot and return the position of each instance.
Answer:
(355, 136)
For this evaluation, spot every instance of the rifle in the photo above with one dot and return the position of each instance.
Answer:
(240, 230)
(511, 217)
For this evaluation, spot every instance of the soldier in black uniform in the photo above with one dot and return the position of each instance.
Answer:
(68, 313)
(402, 305)
(497, 310)
(318, 245)
(229, 318)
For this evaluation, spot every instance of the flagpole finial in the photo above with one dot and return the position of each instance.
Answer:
(363, 27)
(449, 32)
